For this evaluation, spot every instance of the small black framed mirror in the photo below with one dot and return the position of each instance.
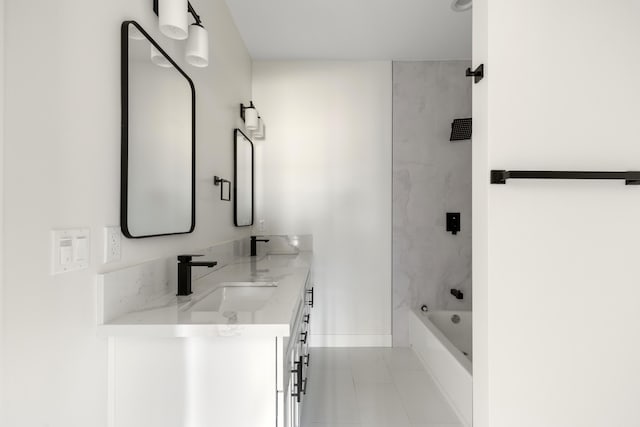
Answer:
(157, 187)
(243, 180)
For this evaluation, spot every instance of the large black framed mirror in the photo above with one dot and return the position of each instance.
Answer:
(157, 188)
(243, 179)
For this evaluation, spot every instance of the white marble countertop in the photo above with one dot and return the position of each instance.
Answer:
(171, 316)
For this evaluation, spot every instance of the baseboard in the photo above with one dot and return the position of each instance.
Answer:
(350, 341)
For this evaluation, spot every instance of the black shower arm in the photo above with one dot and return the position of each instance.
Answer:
(501, 176)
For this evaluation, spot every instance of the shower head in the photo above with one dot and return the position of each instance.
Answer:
(460, 130)
(461, 5)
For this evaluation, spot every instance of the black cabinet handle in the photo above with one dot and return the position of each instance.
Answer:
(308, 357)
(304, 386)
(304, 339)
(299, 381)
(310, 291)
(307, 318)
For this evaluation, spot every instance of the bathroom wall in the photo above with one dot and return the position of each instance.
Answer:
(327, 157)
(556, 290)
(1, 204)
(62, 169)
(431, 176)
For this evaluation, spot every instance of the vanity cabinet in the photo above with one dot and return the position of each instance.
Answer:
(296, 361)
(204, 375)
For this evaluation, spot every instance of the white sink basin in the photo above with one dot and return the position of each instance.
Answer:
(237, 296)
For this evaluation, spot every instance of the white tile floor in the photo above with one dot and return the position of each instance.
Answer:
(373, 387)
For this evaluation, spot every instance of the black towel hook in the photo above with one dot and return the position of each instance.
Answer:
(478, 73)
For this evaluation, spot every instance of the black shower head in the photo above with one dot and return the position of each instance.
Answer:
(460, 130)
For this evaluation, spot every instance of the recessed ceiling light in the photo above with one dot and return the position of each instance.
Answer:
(461, 5)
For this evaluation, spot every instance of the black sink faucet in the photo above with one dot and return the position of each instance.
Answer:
(184, 272)
(254, 240)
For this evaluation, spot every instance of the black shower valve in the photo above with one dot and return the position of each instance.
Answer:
(453, 222)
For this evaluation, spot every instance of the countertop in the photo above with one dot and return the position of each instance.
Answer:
(170, 316)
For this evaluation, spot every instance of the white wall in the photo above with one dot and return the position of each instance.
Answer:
(1, 205)
(479, 207)
(328, 172)
(62, 169)
(556, 295)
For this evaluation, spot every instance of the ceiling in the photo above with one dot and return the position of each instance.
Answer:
(353, 29)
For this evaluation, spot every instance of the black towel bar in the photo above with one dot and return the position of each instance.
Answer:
(221, 181)
(501, 176)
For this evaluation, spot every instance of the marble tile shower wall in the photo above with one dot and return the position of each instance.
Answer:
(431, 176)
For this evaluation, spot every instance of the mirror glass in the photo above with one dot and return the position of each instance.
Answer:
(243, 180)
(158, 140)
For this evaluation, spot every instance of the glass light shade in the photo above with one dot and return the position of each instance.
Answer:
(159, 59)
(197, 50)
(174, 18)
(251, 119)
(259, 133)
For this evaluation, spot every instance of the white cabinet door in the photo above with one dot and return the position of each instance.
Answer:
(199, 382)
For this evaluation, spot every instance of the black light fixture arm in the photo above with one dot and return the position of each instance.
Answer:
(195, 15)
(501, 176)
(190, 9)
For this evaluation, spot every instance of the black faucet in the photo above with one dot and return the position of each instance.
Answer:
(184, 272)
(457, 293)
(254, 240)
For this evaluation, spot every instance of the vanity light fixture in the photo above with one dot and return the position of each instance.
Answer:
(197, 50)
(250, 116)
(259, 133)
(173, 17)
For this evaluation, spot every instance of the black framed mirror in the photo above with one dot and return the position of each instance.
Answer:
(157, 187)
(243, 179)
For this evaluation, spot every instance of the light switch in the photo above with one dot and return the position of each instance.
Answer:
(66, 251)
(80, 249)
(70, 250)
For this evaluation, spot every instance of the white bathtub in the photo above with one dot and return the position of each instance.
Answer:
(445, 349)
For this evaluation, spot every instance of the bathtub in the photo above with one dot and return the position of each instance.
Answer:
(445, 349)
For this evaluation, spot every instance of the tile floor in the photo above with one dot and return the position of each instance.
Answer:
(373, 387)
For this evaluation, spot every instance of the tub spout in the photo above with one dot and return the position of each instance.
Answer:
(457, 293)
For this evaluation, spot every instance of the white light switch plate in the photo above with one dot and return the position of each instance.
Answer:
(70, 250)
(112, 244)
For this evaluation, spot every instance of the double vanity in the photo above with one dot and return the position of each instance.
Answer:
(234, 352)
(221, 339)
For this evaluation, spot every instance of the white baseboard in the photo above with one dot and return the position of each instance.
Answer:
(350, 341)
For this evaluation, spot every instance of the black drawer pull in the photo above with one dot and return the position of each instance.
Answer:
(310, 291)
(304, 339)
(308, 357)
(304, 386)
(298, 384)
(307, 318)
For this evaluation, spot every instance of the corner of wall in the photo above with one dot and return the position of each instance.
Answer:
(480, 206)
(2, 27)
